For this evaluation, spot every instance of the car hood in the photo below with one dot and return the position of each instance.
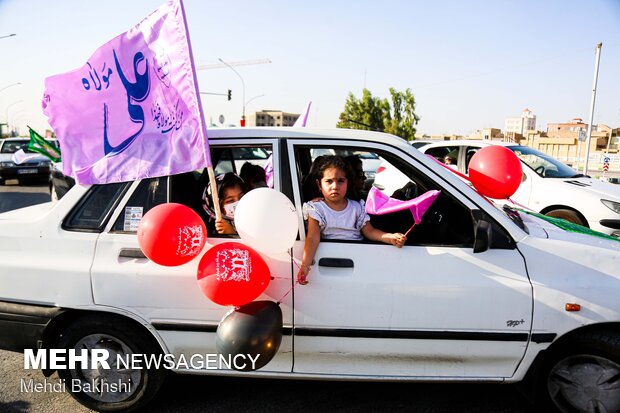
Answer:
(540, 228)
(605, 190)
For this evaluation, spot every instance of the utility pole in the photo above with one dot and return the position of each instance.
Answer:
(242, 123)
(589, 139)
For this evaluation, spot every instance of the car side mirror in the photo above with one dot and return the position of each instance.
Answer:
(484, 231)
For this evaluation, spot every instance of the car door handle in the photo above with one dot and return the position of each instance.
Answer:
(131, 253)
(336, 262)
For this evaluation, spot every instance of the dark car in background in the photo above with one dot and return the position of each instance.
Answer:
(34, 166)
(59, 183)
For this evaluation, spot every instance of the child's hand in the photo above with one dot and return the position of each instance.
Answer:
(223, 226)
(397, 239)
(302, 275)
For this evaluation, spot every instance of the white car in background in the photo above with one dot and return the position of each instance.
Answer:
(549, 186)
(34, 167)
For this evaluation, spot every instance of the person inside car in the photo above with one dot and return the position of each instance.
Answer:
(337, 215)
(450, 161)
(253, 176)
(230, 189)
(359, 177)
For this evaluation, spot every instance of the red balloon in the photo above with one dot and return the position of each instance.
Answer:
(232, 274)
(171, 234)
(495, 171)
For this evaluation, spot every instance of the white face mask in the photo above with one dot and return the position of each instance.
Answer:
(229, 209)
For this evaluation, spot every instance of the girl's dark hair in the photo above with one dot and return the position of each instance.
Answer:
(228, 180)
(335, 161)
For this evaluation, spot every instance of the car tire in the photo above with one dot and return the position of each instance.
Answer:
(583, 375)
(568, 215)
(136, 386)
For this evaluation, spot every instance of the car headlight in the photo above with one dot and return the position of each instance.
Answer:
(7, 164)
(44, 163)
(614, 206)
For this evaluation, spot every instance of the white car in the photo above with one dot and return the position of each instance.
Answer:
(477, 294)
(34, 167)
(549, 186)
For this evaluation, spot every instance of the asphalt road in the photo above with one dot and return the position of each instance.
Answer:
(215, 394)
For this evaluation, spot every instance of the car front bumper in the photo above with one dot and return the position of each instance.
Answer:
(25, 172)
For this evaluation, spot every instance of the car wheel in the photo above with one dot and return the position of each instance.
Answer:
(567, 214)
(585, 375)
(133, 388)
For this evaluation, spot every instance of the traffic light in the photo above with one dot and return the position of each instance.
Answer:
(229, 94)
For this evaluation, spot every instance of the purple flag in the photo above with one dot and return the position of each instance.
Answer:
(133, 110)
(303, 118)
(378, 203)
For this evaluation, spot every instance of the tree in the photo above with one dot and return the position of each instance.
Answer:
(372, 113)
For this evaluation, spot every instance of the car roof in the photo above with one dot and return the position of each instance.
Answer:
(291, 132)
(472, 142)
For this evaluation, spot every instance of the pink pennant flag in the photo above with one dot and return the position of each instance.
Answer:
(303, 118)
(378, 203)
(133, 110)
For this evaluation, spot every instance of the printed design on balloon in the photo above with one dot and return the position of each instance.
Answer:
(233, 265)
(191, 240)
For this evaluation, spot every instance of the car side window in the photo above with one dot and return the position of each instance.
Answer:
(447, 222)
(468, 155)
(94, 209)
(149, 193)
(448, 155)
(233, 158)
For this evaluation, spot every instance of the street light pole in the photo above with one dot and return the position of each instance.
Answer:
(242, 84)
(255, 97)
(13, 84)
(589, 139)
(7, 112)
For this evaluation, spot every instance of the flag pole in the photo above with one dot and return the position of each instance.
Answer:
(207, 154)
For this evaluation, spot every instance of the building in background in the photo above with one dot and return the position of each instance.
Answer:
(493, 134)
(522, 124)
(272, 118)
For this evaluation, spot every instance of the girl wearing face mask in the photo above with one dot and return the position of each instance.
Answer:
(230, 189)
(337, 215)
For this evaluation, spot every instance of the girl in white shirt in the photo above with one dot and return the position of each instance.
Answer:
(337, 215)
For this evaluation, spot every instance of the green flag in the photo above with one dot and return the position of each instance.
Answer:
(39, 144)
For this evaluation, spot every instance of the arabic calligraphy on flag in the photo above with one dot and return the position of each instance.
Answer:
(133, 110)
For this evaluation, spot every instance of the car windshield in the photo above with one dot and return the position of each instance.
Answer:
(543, 165)
(14, 146)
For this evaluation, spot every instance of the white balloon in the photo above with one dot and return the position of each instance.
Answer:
(266, 220)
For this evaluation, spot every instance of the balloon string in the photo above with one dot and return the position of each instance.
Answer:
(409, 230)
(519, 205)
(296, 282)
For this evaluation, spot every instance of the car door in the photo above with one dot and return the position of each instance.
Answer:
(432, 309)
(168, 297)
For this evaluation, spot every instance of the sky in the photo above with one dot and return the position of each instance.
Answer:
(470, 64)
